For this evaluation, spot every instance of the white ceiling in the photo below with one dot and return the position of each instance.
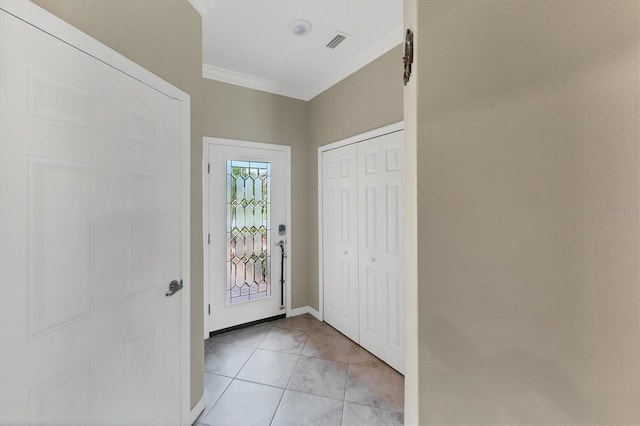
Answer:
(249, 43)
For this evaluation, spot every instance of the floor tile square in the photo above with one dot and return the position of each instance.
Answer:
(226, 359)
(244, 403)
(319, 377)
(269, 368)
(284, 340)
(358, 415)
(327, 346)
(298, 408)
(376, 387)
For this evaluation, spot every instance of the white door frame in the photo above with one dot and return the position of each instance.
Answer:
(391, 128)
(49, 23)
(207, 141)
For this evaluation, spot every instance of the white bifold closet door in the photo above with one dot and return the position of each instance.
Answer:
(380, 262)
(340, 239)
(362, 231)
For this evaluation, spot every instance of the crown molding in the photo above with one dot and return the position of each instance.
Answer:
(392, 40)
(200, 6)
(252, 82)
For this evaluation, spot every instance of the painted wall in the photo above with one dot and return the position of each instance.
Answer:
(165, 38)
(412, 349)
(368, 99)
(235, 112)
(527, 149)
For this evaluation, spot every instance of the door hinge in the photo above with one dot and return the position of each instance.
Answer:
(209, 308)
(208, 167)
(208, 238)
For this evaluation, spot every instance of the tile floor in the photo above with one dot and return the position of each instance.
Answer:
(297, 371)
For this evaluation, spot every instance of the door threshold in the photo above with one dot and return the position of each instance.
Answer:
(247, 324)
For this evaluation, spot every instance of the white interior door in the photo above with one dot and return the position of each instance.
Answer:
(380, 232)
(340, 239)
(246, 204)
(90, 199)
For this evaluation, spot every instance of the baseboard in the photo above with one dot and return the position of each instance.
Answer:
(198, 408)
(305, 310)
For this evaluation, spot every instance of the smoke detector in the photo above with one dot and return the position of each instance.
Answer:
(300, 27)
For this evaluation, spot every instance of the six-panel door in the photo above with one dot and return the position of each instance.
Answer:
(340, 240)
(380, 232)
(90, 201)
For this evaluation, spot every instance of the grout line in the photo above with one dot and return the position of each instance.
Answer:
(258, 383)
(293, 371)
(286, 386)
(346, 382)
(263, 337)
(319, 396)
(373, 406)
(218, 398)
(245, 363)
(278, 407)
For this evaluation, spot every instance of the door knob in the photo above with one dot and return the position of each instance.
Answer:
(174, 286)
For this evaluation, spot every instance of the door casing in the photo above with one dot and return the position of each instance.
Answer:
(207, 141)
(49, 23)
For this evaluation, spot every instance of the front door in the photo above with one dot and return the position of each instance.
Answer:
(90, 221)
(246, 222)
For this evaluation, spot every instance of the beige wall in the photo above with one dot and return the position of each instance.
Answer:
(527, 134)
(235, 112)
(412, 350)
(164, 37)
(368, 99)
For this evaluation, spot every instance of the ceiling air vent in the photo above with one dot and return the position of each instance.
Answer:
(339, 38)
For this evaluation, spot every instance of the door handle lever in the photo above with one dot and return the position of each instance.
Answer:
(174, 287)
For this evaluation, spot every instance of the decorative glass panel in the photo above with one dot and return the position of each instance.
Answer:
(248, 226)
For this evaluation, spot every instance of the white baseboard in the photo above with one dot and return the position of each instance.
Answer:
(198, 408)
(305, 310)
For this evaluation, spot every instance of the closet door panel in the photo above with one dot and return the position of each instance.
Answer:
(392, 148)
(380, 226)
(340, 234)
(371, 218)
(330, 220)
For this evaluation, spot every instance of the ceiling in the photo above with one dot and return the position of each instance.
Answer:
(249, 43)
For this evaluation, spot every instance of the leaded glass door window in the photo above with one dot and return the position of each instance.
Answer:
(248, 230)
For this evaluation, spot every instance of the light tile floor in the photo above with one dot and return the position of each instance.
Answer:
(297, 371)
